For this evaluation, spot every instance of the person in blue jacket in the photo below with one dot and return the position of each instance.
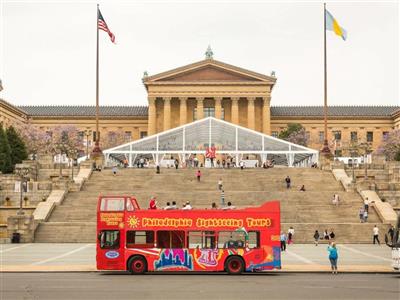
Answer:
(333, 256)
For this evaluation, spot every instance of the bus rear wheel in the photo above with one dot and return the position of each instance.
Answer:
(234, 265)
(137, 265)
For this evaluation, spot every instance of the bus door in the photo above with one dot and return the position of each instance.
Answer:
(110, 234)
(203, 247)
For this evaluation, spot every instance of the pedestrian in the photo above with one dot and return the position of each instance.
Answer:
(141, 162)
(288, 182)
(187, 206)
(220, 183)
(173, 206)
(366, 204)
(241, 164)
(334, 200)
(365, 216)
(114, 170)
(303, 188)
(176, 164)
(222, 198)
(168, 206)
(375, 232)
(290, 235)
(153, 203)
(337, 199)
(158, 169)
(218, 163)
(331, 234)
(214, 205)
(198, 175)
(283, 241)
(316, 237)
(223, 163)
(333, 257)
(391, 233)
(361, 214)
(326, 235)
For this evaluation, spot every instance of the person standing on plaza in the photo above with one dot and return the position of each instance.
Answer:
(375, 232)
(198, 175)
(176, 164)
(220, 183)
(331, 235)
(316, 237)
(391, 233)
(288, 182)
(290, 235)
(333, 257)
(326, 235)
(283, 241)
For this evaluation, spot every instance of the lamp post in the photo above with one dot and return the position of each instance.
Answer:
(87, 133)
(22, 171)
(61, 147)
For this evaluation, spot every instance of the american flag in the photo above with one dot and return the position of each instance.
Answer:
(101, 24)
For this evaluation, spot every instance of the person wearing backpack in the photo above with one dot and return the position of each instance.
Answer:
(333, 257)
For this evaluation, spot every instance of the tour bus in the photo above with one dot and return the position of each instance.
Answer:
(395, 245)
(142, 240)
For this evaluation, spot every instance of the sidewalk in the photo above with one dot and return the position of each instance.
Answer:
(297, 258)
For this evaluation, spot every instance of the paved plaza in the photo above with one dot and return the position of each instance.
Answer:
(301, 258)
(196, 286)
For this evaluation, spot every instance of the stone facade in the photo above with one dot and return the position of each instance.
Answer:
(213, 88)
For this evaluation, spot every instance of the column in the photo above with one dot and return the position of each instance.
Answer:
(218, 107)
(200, 108)
(235, 110)
(167, 113)
(152, 116)
(183, 111)
(266, 115)
(251, 121)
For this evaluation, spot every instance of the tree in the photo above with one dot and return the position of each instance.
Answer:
(17, 146)
(5, 153)
(113, 139)
(390, 146)
(295, 133)
(36, 140)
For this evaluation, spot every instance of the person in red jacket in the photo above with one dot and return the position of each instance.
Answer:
(198, 175)
(153, 203)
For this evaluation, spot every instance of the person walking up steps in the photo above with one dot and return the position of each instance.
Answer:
(198, 175)
(375, 232)
(288, 182)
(333, 257)
(222, 199)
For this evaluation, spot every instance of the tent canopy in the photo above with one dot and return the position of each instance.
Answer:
(227, 138)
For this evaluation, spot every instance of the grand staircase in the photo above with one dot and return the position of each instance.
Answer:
(75, 219)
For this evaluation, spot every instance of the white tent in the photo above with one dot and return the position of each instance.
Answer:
(227, 138)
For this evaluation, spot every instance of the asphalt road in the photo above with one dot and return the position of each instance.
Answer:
(198, 286)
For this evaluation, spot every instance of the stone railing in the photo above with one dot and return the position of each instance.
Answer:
(340, 175)
(44, 209)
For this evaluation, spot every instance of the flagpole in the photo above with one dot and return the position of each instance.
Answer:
(325, 149)
(96, 152)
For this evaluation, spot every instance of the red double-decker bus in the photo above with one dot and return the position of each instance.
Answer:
(138, 240)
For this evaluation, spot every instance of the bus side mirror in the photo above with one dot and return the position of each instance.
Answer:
(387, 241)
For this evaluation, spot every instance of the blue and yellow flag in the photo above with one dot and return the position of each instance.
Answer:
(333, 25)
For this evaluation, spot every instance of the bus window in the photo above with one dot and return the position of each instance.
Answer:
(231, 239)
(109, 239)
(140, 239)
(112, 204)
(201, 239)
(129, 205)
(171, 239)
(254, 239)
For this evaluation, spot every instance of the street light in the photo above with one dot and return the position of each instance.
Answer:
(87, 133)
(22, 171)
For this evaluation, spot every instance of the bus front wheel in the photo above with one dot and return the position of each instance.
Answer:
(234, 265)
(137, 265)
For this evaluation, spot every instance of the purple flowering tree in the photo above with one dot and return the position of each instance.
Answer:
(390, 146)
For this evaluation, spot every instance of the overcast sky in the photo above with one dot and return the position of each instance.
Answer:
(48, 48)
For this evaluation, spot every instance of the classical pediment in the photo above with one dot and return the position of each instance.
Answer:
(209, 70)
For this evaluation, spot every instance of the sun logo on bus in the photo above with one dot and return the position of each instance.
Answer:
(133, 221)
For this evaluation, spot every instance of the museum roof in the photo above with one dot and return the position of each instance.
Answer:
(338, 111)
(276, 111)
(84, 111)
